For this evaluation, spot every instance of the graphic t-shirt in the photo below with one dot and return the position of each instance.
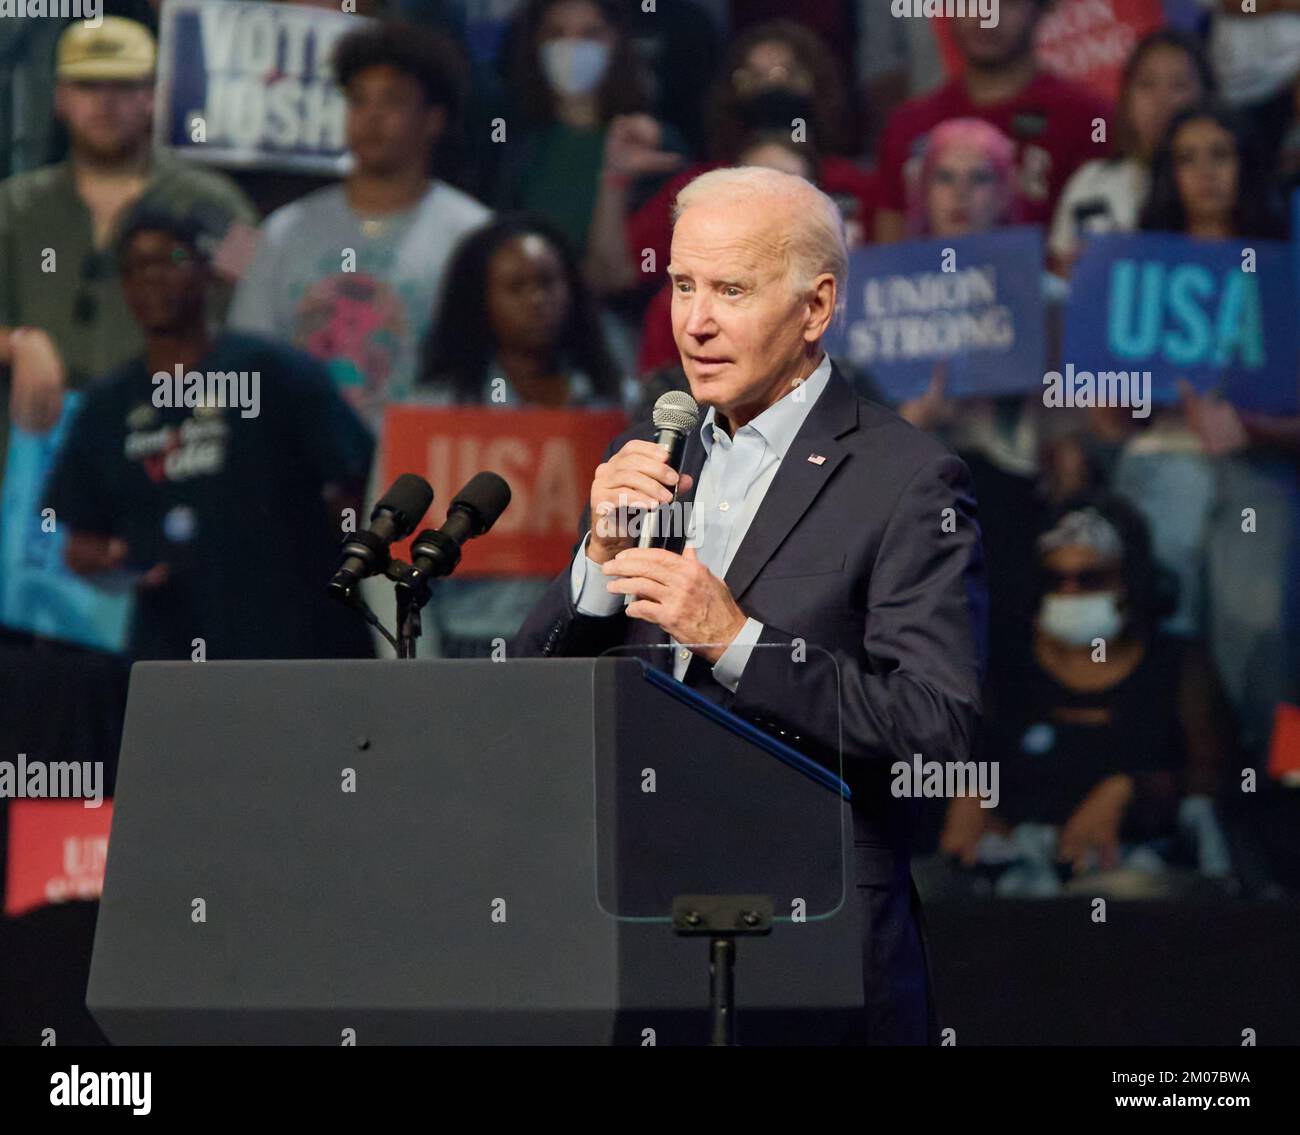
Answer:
(356, 293)
(1050, 121)
(233, 504)
(1101, 197)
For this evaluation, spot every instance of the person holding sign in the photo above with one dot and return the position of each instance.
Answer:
(967, 185)
(517, 328)
(1209, 184)
(830, 587)
(1167, 72)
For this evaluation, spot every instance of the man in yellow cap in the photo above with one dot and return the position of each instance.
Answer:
(63, 319)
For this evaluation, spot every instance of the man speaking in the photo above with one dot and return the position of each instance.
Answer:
(823, 529)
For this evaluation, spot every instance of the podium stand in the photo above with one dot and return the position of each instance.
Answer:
(459, 852)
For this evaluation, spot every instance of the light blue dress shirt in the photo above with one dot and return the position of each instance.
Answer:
(734, 479)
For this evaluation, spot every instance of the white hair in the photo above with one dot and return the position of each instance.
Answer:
(814, 243)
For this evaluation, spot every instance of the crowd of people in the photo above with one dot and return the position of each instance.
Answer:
(445, 266)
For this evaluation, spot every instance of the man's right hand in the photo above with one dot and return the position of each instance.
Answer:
(637, 478)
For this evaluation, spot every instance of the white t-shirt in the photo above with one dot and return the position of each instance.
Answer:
(356, 293)
(1254, 56)
(1102, 196)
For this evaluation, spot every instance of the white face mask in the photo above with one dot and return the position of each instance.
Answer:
(574, 65)
(1078, 619)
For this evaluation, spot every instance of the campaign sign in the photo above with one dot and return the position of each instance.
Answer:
(247, 84)
(546, 456)
(974, 303)
(1218, 313)
(57, 852)
(38, 593)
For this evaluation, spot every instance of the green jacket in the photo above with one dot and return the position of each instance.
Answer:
(52, 277)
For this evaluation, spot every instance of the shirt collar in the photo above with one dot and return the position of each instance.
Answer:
(780, 422)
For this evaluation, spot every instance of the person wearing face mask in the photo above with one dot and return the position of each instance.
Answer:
(573, 69)
(1110, 736)
(776, 75)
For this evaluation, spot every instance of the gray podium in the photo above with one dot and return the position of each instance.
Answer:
(460, 852)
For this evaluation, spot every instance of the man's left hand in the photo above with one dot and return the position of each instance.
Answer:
(679, 594)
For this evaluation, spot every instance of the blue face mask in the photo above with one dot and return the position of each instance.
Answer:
(1078, 619)
(574, 65)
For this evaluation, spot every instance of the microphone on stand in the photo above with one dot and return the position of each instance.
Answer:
(473, 511)
(394, 517)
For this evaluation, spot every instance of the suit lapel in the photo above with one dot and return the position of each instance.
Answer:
(797, 482)
(792, 491)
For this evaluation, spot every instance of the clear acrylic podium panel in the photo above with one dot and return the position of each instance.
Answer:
(693, 800)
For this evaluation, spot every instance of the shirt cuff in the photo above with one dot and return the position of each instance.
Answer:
(729, 668)
(587, 587)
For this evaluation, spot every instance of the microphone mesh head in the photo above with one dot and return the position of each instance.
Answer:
(676, 410)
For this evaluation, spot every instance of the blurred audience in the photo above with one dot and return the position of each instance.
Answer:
(223, 507)
(1111, 738)
(1209, 182)
(63, 316)
(776, 78)
(1053, 123)
(1166, 73)
(517, 328)
(574, 71)
(967, 185)
(350, 273)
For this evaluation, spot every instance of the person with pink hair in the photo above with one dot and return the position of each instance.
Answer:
(967, 181)
(967, 185)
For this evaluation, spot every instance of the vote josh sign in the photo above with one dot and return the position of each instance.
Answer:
(974, 303)
(247, 84)
(1218, 313)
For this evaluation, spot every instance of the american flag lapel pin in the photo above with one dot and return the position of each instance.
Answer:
(816, 459)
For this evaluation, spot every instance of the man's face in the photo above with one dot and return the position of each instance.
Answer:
(1009, 40)
(389, 124)
(106, 121)
(164, 283)
(741, 330)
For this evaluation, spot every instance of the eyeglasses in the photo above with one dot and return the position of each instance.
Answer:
(177, 258)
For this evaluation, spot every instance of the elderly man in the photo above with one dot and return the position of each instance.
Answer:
(818, 516)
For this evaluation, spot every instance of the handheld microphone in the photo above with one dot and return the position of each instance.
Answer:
(394, 517)
(676, 414)
(473, 511)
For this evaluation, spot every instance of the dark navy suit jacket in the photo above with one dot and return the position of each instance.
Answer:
(872, 557)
